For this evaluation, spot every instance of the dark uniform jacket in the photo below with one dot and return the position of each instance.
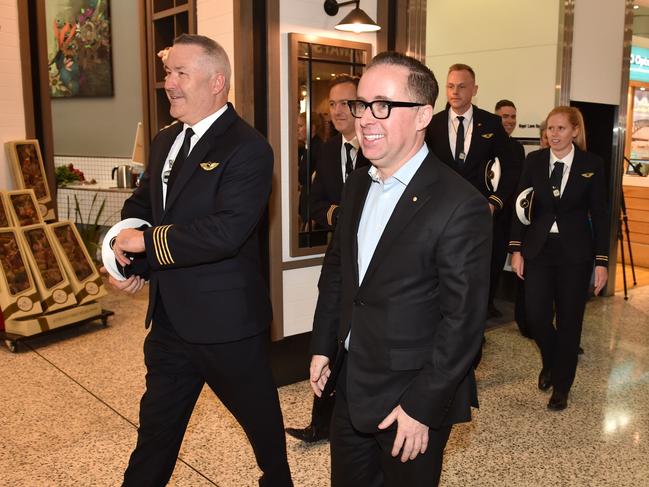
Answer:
(327, 186)
(417, 318)
(581, 213)
(203, 247)
(488, 140)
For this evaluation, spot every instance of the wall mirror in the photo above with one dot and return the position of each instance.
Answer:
(313, 61)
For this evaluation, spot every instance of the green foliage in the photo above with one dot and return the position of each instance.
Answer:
(90, 225)
(67, 174)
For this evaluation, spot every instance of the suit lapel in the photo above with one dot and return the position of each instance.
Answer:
(574, 178)
(444, 136)
(160, 157)
(358, 200)
(414, 198)
(205, 144)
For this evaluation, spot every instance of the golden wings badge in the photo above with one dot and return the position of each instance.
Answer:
(487, 136)
(587, 174)
(208, 166)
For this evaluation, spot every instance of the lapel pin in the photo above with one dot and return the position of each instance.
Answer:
(588, 174)
(414, 198)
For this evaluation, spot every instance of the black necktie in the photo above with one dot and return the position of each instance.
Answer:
(180, 158)
(459, 141)
(349, 164)
(555, 179)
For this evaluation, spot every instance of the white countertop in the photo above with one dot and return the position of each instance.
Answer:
(99, 186)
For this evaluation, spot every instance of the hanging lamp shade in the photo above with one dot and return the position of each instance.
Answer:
(357, 21)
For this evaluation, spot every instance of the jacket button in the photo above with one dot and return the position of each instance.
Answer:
(359, 302)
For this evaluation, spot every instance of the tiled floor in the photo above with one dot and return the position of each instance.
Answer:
(70, 401)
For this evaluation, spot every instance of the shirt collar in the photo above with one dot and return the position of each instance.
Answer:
(406, 172)
(468, 115)
(353, 141)
(201, 127)
(567, 159)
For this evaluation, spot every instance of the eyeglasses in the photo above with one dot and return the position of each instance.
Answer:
(380, 108)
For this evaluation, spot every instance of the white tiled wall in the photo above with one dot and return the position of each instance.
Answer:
(98, 168)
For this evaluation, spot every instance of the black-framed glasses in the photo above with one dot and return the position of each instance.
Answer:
(381, 109)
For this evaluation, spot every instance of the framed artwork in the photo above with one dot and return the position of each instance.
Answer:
(84, 277)
(79, 48)
(18, 294)
(51, 281)
(29, 173)
(23, 207)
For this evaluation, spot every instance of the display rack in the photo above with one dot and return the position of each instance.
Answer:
(11, 339)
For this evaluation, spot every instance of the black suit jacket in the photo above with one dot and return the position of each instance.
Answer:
(203, 247)
(488, 140)
(581, 213)
(417, 318)
(327, 186)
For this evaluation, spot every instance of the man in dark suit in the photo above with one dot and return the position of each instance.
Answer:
(204, 191)
(339, 156)
(468, 138)
(506, 110)
(402, 291)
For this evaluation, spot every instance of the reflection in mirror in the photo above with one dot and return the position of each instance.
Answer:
(314, 62)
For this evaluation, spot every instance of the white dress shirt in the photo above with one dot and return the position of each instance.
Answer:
(199, 129)
(567, 164)
(468, 129)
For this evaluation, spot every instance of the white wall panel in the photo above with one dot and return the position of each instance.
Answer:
(300, 298)
(12, 122)
(510, 44)
(596, 73)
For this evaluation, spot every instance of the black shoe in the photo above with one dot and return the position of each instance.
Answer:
(493, 312)
(310, 434)
(558, 401)
(580, 351)
(545, 379)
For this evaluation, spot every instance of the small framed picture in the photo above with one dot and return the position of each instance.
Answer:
(29, 173)
(23, 207)
(85, 279)
(51, 281)
(18, 294)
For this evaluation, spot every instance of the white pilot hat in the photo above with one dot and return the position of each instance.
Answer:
(492, 174)
(524, 205)
(107, 254)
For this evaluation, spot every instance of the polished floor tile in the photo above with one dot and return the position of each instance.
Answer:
(70, 402)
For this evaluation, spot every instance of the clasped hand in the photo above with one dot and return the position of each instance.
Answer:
(127, 240)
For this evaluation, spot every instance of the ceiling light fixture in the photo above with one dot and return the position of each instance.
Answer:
(355, 21)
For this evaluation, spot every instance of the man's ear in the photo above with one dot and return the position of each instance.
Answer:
(424, 116)
(218, 83)
(475, 90)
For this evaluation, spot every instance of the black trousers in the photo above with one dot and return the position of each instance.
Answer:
(500, 238)
(239, 374)
(321, 411)
(556, 286)
(364, 459)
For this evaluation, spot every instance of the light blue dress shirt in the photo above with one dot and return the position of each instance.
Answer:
(380, 202)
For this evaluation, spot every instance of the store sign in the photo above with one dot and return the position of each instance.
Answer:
(639, 64)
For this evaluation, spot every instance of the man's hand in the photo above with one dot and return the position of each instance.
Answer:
(128, 240)
(131, 285)
(412, 436)
(518, 264)
(492, 208)
(319, 372)
(601, 276)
